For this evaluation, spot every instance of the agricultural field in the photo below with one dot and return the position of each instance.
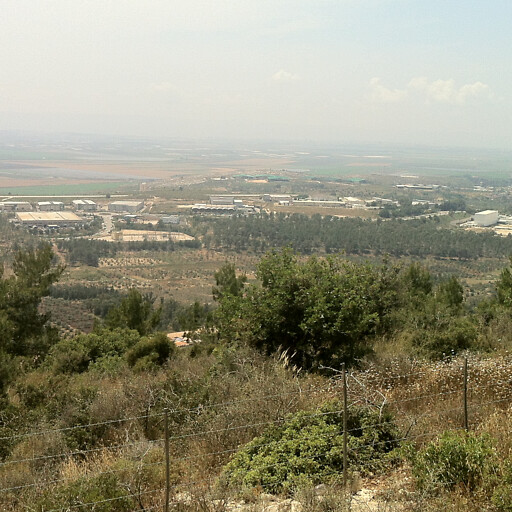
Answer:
(69, 317)
(187, 275)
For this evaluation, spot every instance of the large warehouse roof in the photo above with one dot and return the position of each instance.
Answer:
(49, 217)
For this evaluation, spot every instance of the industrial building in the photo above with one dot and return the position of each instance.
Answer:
(222, 200)
(207, 208)
(50, 206)
(171, 219)
(277, 198)
(47, 219)
(126, 206)
(222, 209)
(320, 202)
(132, 235)
(486, 218)
(84, 205)
(15, 206)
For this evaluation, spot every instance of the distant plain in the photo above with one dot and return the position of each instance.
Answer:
(79, 164)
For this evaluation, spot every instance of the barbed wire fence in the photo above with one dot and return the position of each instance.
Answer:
(424, 404)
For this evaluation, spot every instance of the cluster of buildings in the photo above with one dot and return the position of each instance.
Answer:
(50, 219)
(343, 202)
(418, 186)
(46, 206)
(489, 218)
(45, 214)
(232, 204)
(282, 199)
(84, 205)
(500, 224)
(55, 214)
(223, 204)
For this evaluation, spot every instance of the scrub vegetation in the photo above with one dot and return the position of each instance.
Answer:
(254, 406)
(275, 305)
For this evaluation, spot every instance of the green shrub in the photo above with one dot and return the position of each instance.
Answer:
(103, 490)
(6, 370)
(75, 355)
(11, 420)
(447, 338)
(456, 458)
(502, 495)
(108, 365)
(148, 352)
(307, 449)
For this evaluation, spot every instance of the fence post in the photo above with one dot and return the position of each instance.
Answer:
(167, 461)
(466, 426)
(345, 433)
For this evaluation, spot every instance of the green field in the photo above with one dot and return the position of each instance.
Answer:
(78, 189)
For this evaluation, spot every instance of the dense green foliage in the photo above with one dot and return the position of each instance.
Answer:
(455, 458)
(88, 252)
(227, 282)
(135, 312)
(419, 238)
(307, 449)
(324, 312)
(104, 492)
(101, 300)
(320, 311)
(98, 299)
(78, 354)
(150, 352)
(23, 330)
(465, 461)
(504, 287)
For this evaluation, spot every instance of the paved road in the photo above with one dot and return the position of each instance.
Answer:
(109, 225)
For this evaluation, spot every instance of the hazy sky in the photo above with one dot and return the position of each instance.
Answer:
(395, 71)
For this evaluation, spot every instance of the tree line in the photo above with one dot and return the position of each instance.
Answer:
(89, 252)
(417, 238)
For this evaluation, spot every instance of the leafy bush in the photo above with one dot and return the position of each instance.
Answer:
(502, 494)
(323, 311)
(104, 490)
(307, 449)
(75, 355)
(6, 370)
(153, 351)
(456, 458)
(449, 337)
(135, 311)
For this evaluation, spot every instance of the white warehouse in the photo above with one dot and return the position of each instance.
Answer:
(85, 205)
(126, 206)
(50, 206)
(486, 218)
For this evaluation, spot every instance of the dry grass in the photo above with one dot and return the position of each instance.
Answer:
(425, 396)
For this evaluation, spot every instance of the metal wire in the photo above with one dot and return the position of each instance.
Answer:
(107, 500)
(74, 427)
(45, 483)
(79, 452)
(474, 406)
(197, 409)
